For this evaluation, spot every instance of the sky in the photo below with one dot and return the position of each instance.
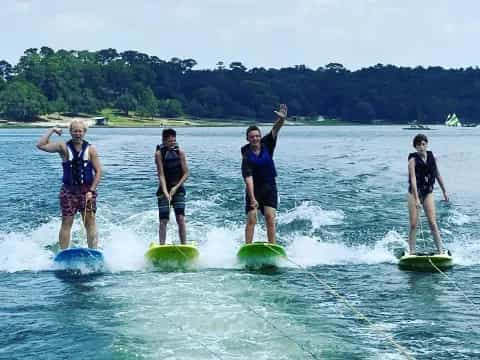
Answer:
(258, 33)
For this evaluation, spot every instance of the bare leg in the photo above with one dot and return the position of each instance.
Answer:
(250, 226)
(91, 227)
(65, 230)
(429, 207)
(162, 231)
(413, 217)
(182, 228)
(270, 222)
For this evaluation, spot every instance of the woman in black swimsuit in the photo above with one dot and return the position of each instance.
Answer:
(422, 172)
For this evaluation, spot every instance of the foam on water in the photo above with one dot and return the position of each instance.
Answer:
(310, 251)
(124, 244)
(308, 211)
(459, 219)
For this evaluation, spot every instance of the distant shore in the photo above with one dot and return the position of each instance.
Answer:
(113, 120)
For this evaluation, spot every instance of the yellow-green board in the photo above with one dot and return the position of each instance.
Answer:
(172, 255)
(260, 254)
(425, 262)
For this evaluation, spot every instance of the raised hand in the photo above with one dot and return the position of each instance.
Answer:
(282, 111)
(57, 131)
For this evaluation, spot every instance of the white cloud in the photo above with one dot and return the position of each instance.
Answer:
(258, 33)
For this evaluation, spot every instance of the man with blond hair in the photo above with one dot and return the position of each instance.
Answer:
(81, 175)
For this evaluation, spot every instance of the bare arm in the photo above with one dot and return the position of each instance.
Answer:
(97, 166)
(160, 173)
(413, 180)
(183, 162)
(441, 183)
(250, 192)
(248, 178)
(44, 143)
(281, 117)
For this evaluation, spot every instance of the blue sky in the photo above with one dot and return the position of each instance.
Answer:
(356, 33)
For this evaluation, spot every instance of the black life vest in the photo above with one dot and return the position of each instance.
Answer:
(172, 165)
(425, 172)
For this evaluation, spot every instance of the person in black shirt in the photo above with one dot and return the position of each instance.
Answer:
(258, 171)
(422, 172)
(172, 172)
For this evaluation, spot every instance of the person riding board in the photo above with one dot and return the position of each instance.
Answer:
(423, 171)
(81, 175)
(259, 173)
(172, 172)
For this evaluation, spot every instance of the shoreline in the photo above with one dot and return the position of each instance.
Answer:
(173, 124)
(109, 118)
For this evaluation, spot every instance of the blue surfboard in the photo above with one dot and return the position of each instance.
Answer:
(80, 260)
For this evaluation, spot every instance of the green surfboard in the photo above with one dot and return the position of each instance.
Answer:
(261, 254)
(171, 255)
(425, 262)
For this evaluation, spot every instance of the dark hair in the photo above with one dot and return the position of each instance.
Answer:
(166, 133)
(252, 128)
(417, 140)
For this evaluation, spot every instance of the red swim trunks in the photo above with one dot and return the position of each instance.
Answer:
(72, 199)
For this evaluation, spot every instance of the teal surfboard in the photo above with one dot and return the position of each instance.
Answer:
(425, 261)
(260, 254)
(80, 260)
(172, 255)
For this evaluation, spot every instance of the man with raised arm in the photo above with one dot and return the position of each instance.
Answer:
(258, 171)
(81, 174)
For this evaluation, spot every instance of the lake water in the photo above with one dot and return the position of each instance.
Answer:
(342, 213)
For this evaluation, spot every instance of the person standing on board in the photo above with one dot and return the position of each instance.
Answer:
(81, 175)
(422, 172)
(258, 171)
(172, 172)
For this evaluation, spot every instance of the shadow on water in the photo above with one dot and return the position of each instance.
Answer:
(76, 276)
(264, 270)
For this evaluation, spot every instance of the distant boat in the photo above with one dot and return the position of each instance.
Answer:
(453, 120)
(416, 126)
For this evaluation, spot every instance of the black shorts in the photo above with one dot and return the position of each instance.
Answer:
(178, 203)
(422, 192)
(265, 194)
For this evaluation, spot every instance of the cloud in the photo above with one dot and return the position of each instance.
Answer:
(258, 33)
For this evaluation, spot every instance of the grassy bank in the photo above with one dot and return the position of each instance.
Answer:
(116, 119)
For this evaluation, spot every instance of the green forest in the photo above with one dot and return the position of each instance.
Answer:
(85, 82)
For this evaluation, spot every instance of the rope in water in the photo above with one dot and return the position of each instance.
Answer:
(283, 333)
(360, 315)
(173, 244)
(171, 322)
(477, 308)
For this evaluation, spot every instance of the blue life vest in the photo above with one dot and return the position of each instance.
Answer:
(262, 165)
(78, 168)
(172, 165)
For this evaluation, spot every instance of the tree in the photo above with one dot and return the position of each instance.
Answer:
(170, 108)
(6, 70)
(237, 66)
(46, 51)
(126, 102)
(106, 56)
(22, 101)
(147, 103)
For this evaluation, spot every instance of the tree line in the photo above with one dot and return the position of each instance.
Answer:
(73, 81)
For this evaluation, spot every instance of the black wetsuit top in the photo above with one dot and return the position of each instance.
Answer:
(172, 165)
(425, 173)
